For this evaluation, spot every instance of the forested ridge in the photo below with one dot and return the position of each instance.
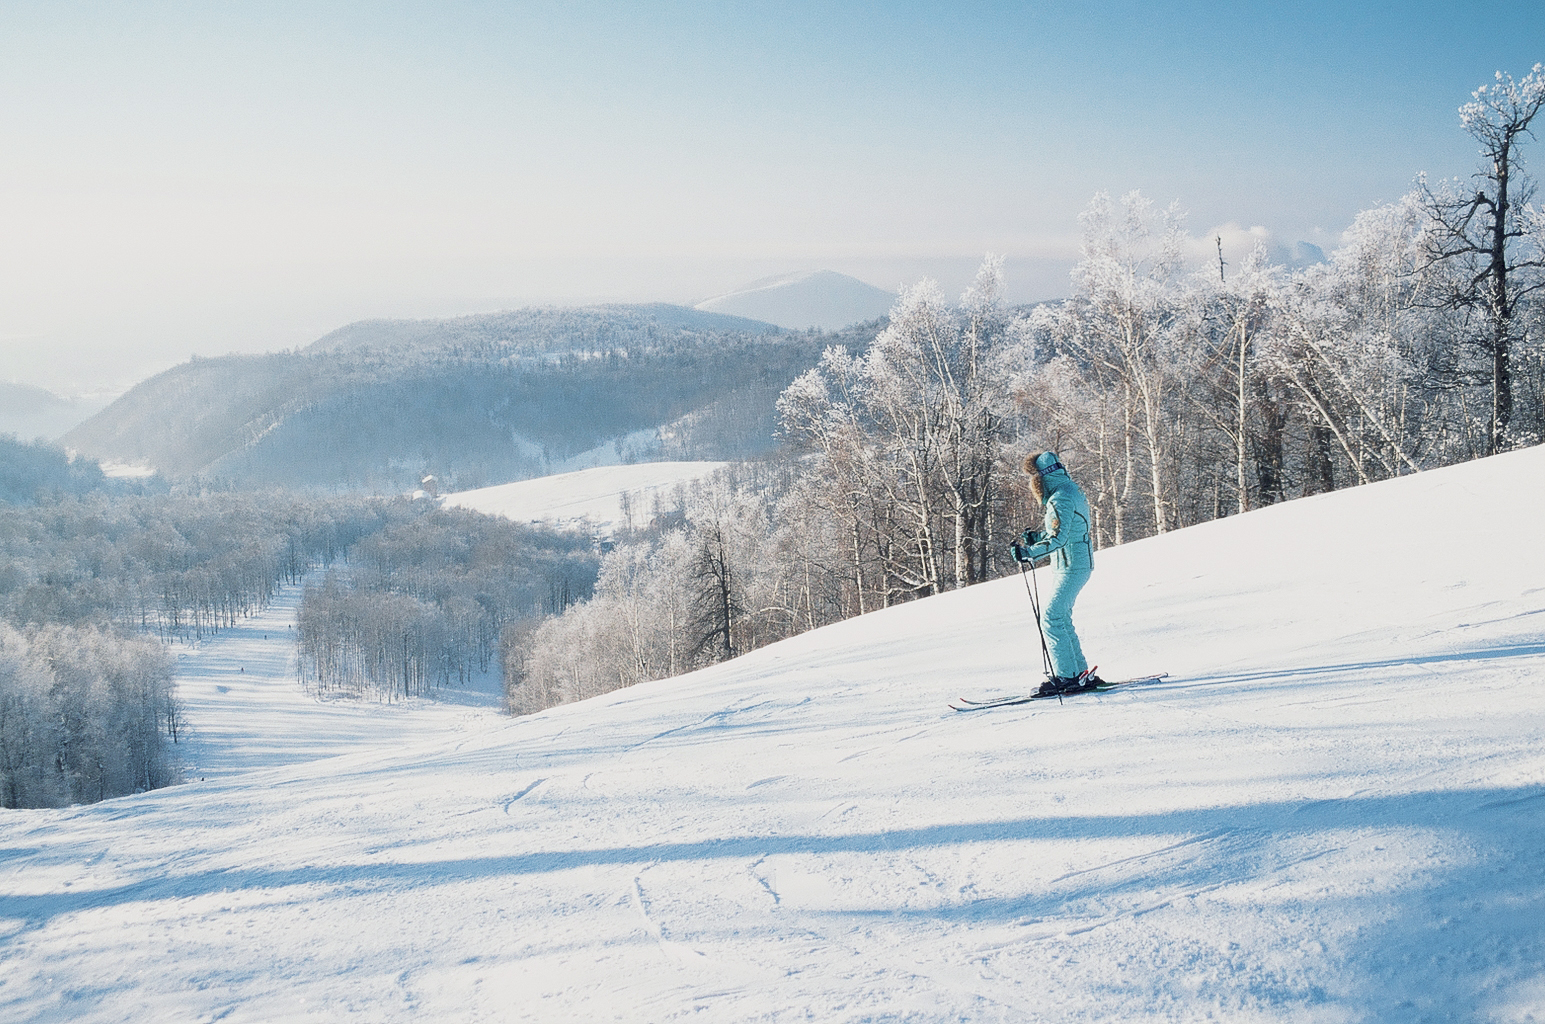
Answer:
(467, 410)
(471, 423)
(541, 330)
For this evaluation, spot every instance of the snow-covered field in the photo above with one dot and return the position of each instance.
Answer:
(1334, 810)
(587, 496)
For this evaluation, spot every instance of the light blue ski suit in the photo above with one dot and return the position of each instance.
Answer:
(1069, 542)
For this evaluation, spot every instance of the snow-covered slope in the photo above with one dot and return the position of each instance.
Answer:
(821, 298)
(1332, 811)
(590, 496)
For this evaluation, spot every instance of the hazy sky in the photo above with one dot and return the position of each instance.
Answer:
(182, 178)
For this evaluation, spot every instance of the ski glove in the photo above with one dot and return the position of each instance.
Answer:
(1020, 549)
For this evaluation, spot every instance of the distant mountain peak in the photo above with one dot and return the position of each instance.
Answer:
(1303, 254)
(780, 280)
(809, 298)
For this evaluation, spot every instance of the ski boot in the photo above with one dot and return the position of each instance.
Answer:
(1056, 686)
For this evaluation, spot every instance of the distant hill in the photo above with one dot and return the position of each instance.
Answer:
(482, 400)
(31, 412)
(822, 298)
(536, 329)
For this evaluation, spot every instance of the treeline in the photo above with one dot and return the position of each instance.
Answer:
(422, 602)
(543, 330)
(176, 566)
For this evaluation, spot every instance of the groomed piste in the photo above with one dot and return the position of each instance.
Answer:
(1332, 810)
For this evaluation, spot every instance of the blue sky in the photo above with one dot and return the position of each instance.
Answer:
(179, 178)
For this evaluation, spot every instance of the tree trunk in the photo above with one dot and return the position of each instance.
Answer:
(1501, 310)
(1319, 465)
(1241, 479)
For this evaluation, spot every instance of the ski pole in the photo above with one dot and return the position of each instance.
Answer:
(1035, 605)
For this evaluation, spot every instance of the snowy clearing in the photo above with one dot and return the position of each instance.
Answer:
(246, 710)
(591, 496)
(1333, 810)
(126, 471)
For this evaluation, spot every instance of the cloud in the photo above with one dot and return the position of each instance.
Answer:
(1238, 242)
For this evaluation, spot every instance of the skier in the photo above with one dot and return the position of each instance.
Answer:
(1067, 541)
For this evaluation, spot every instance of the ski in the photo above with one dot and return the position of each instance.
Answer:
(967, 704)
(964, 704)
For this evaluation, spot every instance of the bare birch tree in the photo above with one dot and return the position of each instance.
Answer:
(1486, 232)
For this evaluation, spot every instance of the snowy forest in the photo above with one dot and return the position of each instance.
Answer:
(1176, 388)
(423, 601)
(96, 589)
(93, 589)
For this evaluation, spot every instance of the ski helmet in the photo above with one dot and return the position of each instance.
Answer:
(1047, 462)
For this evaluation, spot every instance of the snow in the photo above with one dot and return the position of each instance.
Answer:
(126, 471)
(588, 497)
(1331, 811)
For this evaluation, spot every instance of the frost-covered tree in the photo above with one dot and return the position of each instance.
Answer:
(689, 594)
(1352, 343)
(720, 557)
(1124, 327)
(907, 437)
(822, 415)
(1486, 235)
(423, 601)
(85, 714)
(1231, 390)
